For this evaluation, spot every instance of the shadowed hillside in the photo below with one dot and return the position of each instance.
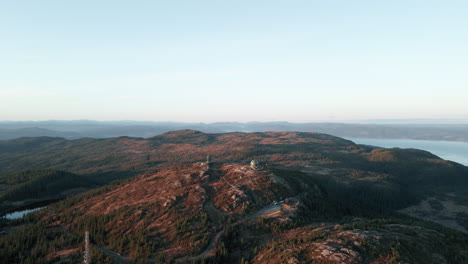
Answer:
(312, 197)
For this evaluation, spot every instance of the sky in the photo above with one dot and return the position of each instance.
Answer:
(209, 61)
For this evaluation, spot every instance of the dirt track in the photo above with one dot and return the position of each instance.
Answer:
(268, 210)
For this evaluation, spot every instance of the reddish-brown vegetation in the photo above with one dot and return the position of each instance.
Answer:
(180, 207)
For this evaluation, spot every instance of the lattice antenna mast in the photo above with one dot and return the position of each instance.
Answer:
(87, 253)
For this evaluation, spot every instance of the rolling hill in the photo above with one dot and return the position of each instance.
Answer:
(313, 197)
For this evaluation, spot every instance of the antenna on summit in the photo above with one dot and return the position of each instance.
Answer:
(87, 253)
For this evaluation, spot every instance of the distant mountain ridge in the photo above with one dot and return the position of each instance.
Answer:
(12, 133)
(100, 129)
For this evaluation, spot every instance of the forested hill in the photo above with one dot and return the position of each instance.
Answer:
(196, 198)
(375, 175)
(103, 160)
(36, 185)
(125, 154)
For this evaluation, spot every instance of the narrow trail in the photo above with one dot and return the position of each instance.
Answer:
(215, 216)
(213, 242)
(115, 255)
(208, 251)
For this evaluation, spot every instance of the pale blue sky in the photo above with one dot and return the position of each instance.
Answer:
(206, 61)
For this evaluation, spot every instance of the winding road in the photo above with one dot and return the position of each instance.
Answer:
(267, 210)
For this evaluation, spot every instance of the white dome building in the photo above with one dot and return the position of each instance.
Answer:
(254, 163)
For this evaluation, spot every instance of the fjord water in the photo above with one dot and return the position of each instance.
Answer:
(449, 150)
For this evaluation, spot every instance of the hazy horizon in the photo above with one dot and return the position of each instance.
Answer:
(363, 121)
(211, 61)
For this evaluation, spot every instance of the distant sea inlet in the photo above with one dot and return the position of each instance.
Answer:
(449, 150)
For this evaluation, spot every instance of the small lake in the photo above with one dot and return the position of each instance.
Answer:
(449, 150)
(20, 214)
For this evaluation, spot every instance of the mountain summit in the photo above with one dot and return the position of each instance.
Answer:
(309, 197)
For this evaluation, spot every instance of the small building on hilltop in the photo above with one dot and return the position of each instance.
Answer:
(254, 164)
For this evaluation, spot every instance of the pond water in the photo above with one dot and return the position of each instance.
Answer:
(32, 207)
(449, 150)
(20, 214)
